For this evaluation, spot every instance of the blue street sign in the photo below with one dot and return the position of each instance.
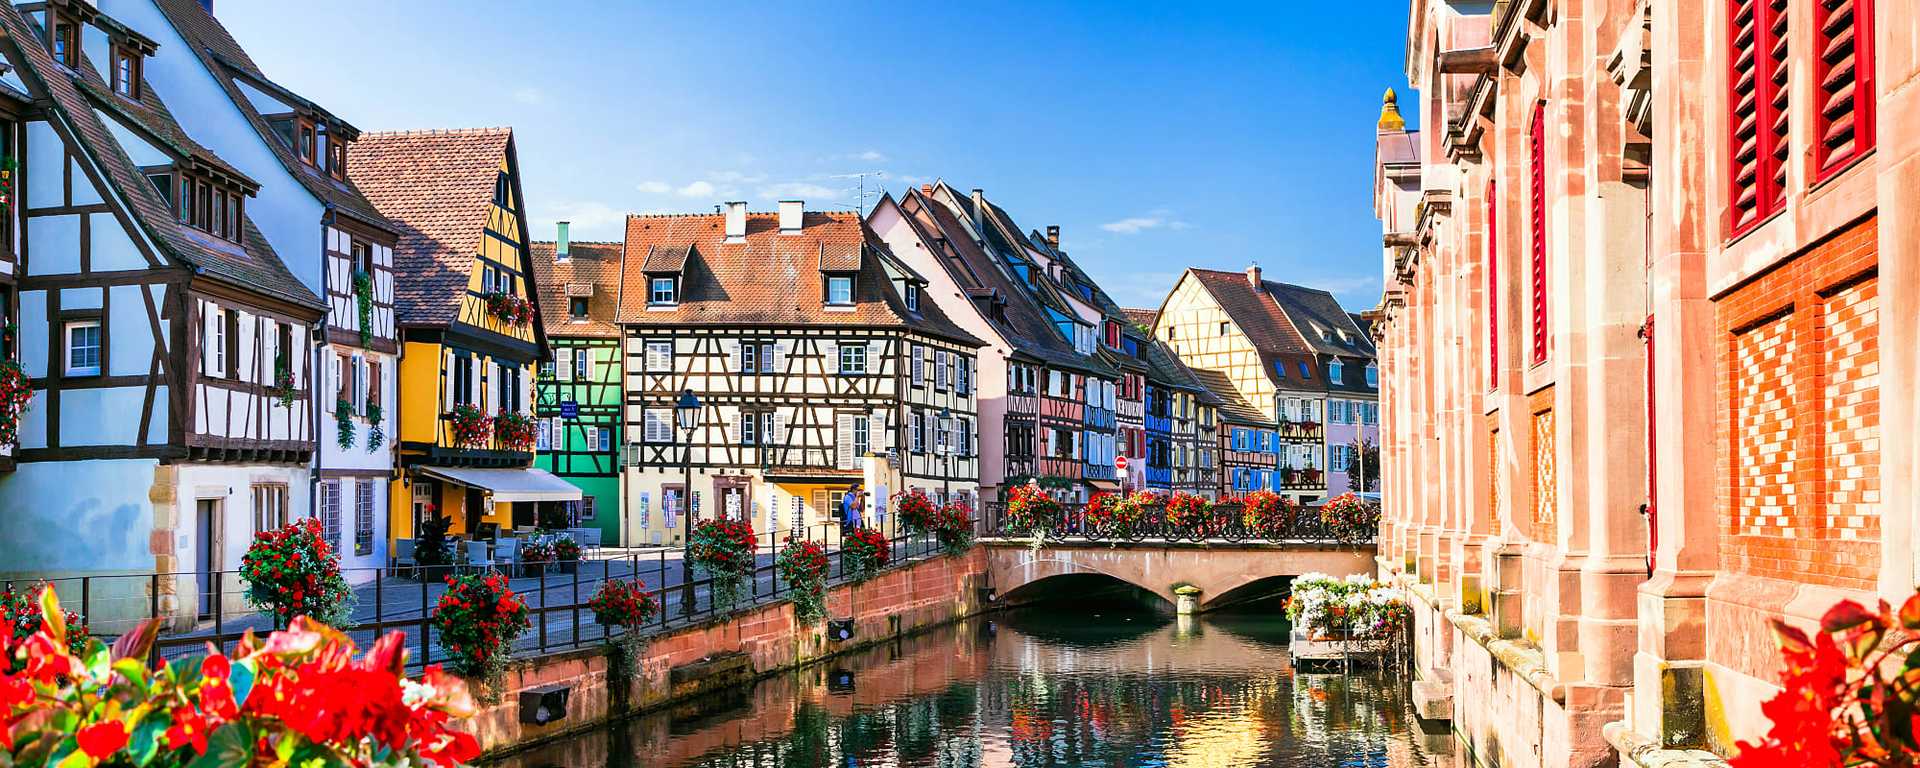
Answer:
(569, 409)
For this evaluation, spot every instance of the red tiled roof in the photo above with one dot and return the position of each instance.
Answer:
(437, 188)
(1264, 323)
(1233, 407)
(770, 277)
(591, 270)
(1145, 318)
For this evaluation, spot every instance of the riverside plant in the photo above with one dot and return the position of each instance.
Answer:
(803, 565)
(476, 622)
(1850, 691)
(629, 606)
(863, 552)
(724, 551)
(1030, 511)
(916, 510)
(1354, 608)
(292, 571)
(953, 527)
(300, 697)
(1350, 518)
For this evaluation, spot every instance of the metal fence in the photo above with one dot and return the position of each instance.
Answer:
(1224, 521)
(211, 607)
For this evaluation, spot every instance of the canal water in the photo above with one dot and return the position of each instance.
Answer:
(1054, 685)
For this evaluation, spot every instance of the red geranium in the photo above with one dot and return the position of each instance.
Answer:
(724, 550)
(1849, 697)
(470, 426)
(803, 565)
(916, 510)
(293, 571)
(863, 551)
(476, 620)
(621, 603)
(953, 527)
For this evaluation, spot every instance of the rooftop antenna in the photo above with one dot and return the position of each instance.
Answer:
(862, 176)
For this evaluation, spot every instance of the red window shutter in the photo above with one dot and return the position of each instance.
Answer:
(1493, 287)
(1537, 170)
(1843, 81)
(1757, 124)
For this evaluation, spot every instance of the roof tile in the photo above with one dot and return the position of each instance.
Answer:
(437, 188)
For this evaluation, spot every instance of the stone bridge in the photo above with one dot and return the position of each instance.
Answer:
(1223, 571)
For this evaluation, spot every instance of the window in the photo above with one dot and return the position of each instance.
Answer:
(1337, 458)
(918, 432)
(756, 357)
(913, 297)
(587, 510)
(363, 518)
(66, 42)
(126, 72)
(1337, 411)
(83, 348)
(583, 365)
(543, 436)
(1537, 168)
(1223, 328)
(963, 376)
(502, 193)
(853, 359)
(1757, 125)
(659, 357)
(307, 147)
(1370, 413)
(657, 425)
(269, 507)
(330, 510)
(1843, 80)
(1373, 375)
(577, 307)
(662, 292)
(336, 158)
(1334, 373)
(606, 439)
(840, 290)
(862, 436)
(1305, 372)
(750, 428)
(463, 378)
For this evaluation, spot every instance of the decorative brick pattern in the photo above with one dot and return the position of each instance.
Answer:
(1544, 480)
(1493, 473)
(1850, 401)
(1763, 409)
(1798, 429)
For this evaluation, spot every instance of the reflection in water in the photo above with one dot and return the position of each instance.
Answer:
(1040, 687)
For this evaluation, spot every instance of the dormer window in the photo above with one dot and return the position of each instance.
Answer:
(126, 71)
(213, 208)
(913, 297)
(1333, 371)
(306, 142)
(577, 307)
(64, 40)
(840, 290)
(662, 292)
(336, 157)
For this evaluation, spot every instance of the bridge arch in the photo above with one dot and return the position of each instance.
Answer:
(1036, 576)
(1218, 570)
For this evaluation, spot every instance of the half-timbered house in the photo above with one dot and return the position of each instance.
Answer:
(162, 332)
(1243, 460)
(329, 235)
(817, 363)
(1026, 356)
(469, 331)
(579, 394)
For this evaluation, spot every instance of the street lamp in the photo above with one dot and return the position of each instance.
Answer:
(946, 454)
(687, 411)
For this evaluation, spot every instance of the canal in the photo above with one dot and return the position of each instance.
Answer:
(1061, 684)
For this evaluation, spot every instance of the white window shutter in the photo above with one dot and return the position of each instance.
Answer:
(877, 434)
(447, 361)
(209, 319)
(329, 397)
(731, 348)
(919, 365)
(875, 349)
(843, 441)
(563, 364)
(779, 428)
(780, 357)
(493, 386)
(833, 356)
(733, 429)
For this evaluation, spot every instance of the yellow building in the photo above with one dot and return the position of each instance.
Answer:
(470, 336)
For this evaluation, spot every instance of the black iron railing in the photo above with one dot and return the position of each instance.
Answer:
(1224, 522)
(202, 608)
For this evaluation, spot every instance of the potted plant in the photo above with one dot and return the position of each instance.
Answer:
(470, 426)
(916, 510)
(803, 566)
(535, 555)
(515, 430)
(566, 552)
(301, 696)
(1350, 519)
(1031, 511)
(863, 552)
(1266, 514)
(509, 308)
(16, 391)
(1189, 514)
(293, 571)
(953, 527)
(430, 548)
(476, 622)
(724, 551)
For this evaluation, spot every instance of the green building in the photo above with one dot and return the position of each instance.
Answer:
(577, 395)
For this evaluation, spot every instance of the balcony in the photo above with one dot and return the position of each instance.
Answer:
(1099, 418)
(1303, 480)
(1301, 430)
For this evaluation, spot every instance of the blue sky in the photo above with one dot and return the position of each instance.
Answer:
(1157, 137)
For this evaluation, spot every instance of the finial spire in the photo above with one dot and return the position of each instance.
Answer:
(1390, 119)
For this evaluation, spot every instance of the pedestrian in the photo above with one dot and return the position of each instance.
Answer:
(850, 505)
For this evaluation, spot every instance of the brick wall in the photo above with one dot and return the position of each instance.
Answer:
(1797, 377)
(1542, 488)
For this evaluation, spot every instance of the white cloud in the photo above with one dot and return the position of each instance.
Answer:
(701, 188)
(529, 95)
(654, 187)
(1159, 218)
(736, 177)
(588, 220)
(871, 156)
(798, 190)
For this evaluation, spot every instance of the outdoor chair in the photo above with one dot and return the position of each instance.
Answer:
(477, 555)
(506, 555)
(587, 538)
(402, 554)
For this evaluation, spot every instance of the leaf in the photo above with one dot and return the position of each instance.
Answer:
(240, 678)
(144, 744)
(230, 745)
(1910, 612)
(137, 643)
(1843, 616)
(53, 621)
(1790, 637)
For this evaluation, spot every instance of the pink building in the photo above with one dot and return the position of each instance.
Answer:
(1631, 358)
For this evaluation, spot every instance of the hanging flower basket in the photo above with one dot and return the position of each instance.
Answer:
(376, 434)
(471, 428)
(293, 571)
(623, 603)
(953, 527)
(509, 308)
(1350, 519)
(1030, 511)
(476, 621)
(363, 298)
(1267, 514)
(863, 552)
(16, 391)
(803, 566)
(515, 430)
(916, 510)
(724, 551)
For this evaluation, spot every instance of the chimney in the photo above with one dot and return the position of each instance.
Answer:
(980, 209)
(1053, 236)
(926, 189)
(1253, 276)
(561, 243)
(736, 222)
(793, 214)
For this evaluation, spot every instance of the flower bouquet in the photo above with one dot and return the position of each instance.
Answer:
(803, 565)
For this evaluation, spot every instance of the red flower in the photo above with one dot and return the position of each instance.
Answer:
(101, 740)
